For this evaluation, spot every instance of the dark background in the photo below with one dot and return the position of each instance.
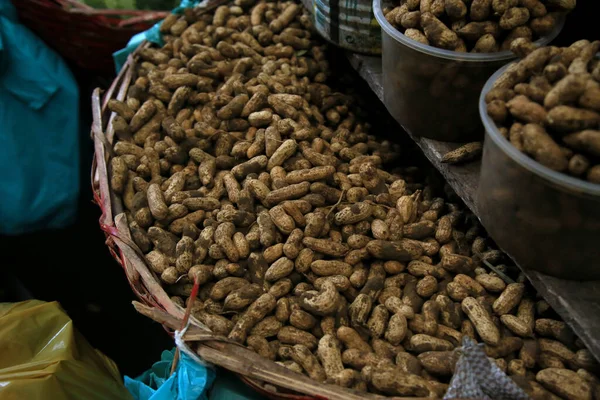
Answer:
(74, 267)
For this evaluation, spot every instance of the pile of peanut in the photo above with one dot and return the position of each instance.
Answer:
(477, 26)
(548, 106)
(239, 168)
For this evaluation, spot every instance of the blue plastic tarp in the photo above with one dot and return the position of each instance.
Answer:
(152, 35)
(39, 125)
(190, 381)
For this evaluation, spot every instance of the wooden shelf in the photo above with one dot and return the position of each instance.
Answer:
(578, 303)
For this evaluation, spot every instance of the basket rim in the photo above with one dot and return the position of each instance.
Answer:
(145, 284)
(142, 280)
(78, 7)
(148, 289)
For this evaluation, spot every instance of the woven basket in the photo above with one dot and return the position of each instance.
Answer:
(156, 304)
(82, 34)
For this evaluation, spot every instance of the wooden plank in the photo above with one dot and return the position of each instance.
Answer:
(578, 303)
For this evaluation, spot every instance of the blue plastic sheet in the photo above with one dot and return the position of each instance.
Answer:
(152, 35)
(39, 125)
(190, 381)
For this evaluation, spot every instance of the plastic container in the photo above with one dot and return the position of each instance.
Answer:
(433, 92)
(548, 221)
(348, 24)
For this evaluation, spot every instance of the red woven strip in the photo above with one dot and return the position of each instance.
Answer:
(88, 39)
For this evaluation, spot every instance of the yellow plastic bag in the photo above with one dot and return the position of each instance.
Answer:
(42, 356)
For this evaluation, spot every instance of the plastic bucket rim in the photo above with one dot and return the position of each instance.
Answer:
(322, 4)
(575, 185)
(505, 55)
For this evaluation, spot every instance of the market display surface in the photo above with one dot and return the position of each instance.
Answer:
(240, 169)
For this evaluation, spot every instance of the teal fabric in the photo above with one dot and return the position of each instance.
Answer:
(229, 387)
(190, 381)
(39, 125)
(152, 35)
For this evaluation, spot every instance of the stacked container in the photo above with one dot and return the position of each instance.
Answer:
(433, 92)
(547, 220)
